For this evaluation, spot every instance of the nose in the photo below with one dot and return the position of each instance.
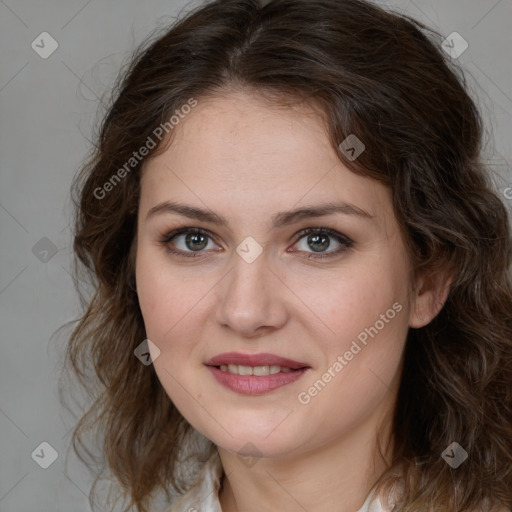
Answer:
(251, 298)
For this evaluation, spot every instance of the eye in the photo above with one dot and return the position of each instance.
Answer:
(190, 242)
(187, 241)
(320, 239)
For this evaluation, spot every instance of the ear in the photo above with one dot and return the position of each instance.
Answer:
(430, 294)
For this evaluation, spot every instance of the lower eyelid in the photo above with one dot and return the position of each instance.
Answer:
(345, 243)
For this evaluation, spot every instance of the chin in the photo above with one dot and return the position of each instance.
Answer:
(267, 441)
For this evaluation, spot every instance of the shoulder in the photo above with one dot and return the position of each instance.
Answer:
(203, 496)
(373, 503)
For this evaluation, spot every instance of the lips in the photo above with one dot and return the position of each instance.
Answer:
(254, 374)
(236, 358)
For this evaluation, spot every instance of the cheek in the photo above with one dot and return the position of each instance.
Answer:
(165, 298)
(357, 300)
(174, 309)
(171, 309)
(362, 363)
(153, 300)
(366, 312)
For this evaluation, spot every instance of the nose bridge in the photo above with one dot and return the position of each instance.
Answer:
(246, 285)
(250, 296)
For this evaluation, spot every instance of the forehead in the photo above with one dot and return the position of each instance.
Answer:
(240, 148)
(242, 128)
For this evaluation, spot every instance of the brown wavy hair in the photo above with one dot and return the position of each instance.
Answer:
(382, 76)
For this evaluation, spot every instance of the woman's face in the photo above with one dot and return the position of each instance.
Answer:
(252, 287)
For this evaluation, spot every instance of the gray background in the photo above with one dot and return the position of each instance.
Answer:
(49, 108)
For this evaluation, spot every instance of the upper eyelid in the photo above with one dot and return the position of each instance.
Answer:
(180, 231)
(340, 237)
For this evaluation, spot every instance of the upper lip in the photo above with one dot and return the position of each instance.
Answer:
(254, 360)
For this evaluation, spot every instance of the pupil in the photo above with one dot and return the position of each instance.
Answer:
(323, 239)
(194, 237)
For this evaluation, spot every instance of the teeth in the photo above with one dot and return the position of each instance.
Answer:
(242, 370)
(254, 370)
(261, 370)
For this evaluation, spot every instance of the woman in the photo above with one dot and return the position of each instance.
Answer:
(288, 216)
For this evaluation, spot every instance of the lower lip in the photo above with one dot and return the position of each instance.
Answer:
(255, 385)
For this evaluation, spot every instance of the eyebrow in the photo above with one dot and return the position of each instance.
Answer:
(278, 220)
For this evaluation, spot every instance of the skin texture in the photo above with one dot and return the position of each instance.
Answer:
(247, 160)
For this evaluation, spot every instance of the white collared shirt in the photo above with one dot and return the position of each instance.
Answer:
(204, 495)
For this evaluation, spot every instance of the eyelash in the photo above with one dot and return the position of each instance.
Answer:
(346, 243)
